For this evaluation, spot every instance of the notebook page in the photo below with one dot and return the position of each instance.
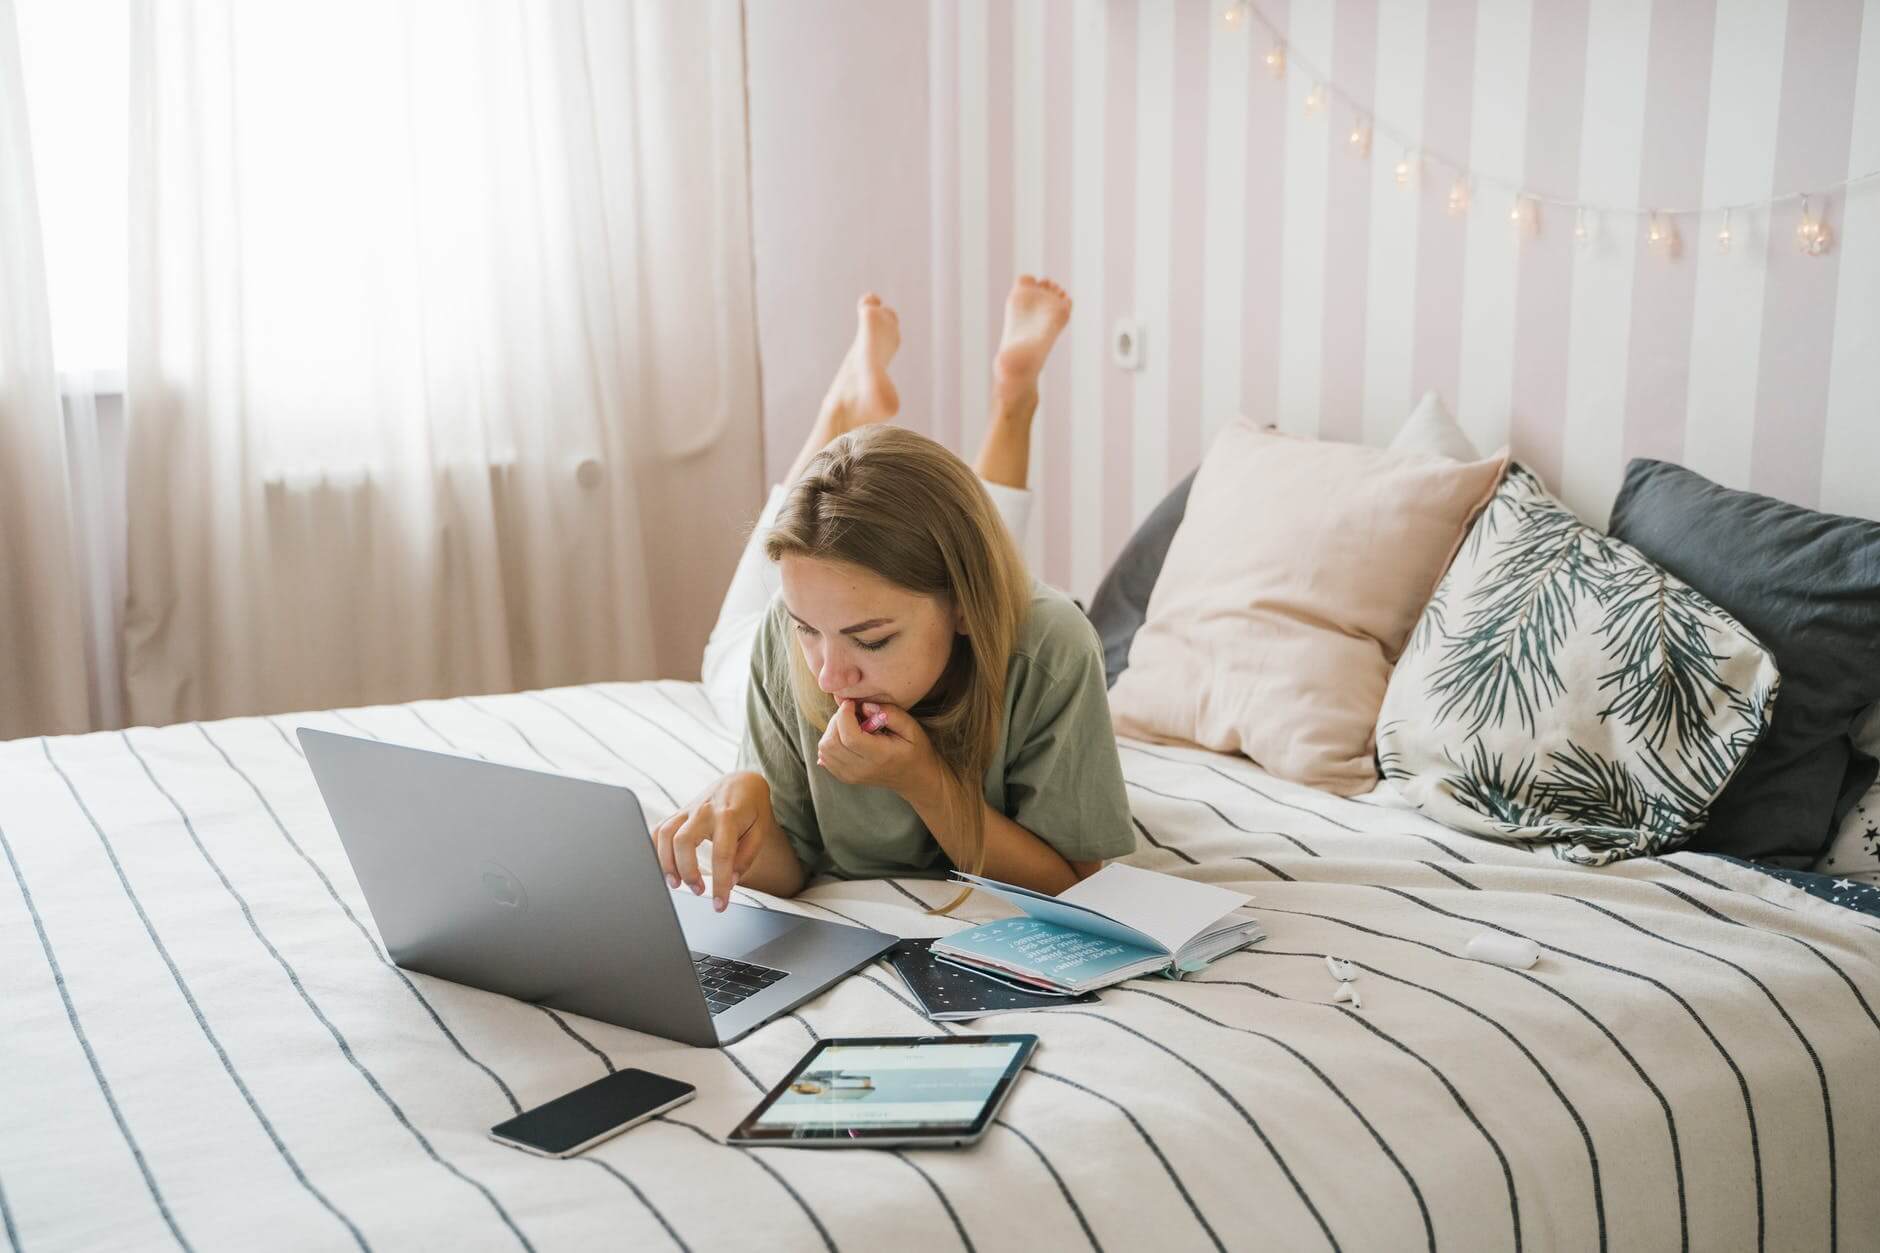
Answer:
(1062, 912)
(1168, 910)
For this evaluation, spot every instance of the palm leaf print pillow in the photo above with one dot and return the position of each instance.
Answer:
(1559, 688)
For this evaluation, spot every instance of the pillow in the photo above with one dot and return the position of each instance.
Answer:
(1290, 587)
(1807, 584)
(1562, 689)
(1854, 853)
(1122, 599)
(1430, 429)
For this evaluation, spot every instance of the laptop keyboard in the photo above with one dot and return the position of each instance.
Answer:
(726, 982)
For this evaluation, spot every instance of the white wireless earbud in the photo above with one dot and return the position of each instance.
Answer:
(1344, 972)
(1504, 950)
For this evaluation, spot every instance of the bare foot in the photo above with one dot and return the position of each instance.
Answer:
(1035, 312)
(862, 392)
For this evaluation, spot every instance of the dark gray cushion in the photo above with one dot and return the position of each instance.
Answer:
(1807, 585)
(1122, 599)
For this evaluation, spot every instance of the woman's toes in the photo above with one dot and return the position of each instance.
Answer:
(868, 299)
(878, 320)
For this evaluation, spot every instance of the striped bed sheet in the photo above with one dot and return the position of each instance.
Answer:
(205, 1046)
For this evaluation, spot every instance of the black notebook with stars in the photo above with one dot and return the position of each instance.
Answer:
(950, 993)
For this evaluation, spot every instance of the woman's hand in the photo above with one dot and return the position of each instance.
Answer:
(898, 756)
(730, 814)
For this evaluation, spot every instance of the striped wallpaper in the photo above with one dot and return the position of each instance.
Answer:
(1140, 151)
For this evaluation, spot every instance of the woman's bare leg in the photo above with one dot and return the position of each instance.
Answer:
(1035, 311)
(861, 392)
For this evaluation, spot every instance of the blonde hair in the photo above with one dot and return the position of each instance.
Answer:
(905, 508)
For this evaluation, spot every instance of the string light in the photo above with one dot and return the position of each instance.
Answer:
(1525, 215)
(1661, 233)
(1459, 197)
(1812, 235)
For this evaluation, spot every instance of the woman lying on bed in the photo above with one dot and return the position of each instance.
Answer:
(912, 699)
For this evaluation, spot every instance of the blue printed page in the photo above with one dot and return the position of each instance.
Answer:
(1064, 956)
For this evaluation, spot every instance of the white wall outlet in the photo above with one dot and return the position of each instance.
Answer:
(1126, 343)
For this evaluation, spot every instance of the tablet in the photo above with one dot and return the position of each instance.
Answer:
(880, 1091)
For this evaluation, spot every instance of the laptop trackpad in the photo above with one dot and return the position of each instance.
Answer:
(741, 929)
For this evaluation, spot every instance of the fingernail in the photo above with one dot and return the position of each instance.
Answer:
(718, 906)
(698, 889)
(672, 880)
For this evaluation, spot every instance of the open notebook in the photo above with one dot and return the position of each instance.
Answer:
(1119, 923)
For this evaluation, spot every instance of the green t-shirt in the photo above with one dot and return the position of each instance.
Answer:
(1056, 772)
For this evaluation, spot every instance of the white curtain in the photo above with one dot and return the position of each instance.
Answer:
(442, 362)
(43, 680)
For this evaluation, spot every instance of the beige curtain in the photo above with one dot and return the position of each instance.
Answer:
(442, 359)
(42, 651)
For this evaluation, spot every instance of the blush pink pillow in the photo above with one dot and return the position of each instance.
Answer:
(1289, 591)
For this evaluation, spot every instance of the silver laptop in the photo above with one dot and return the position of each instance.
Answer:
(547, 888)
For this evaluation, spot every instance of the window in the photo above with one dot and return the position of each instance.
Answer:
(74, 54)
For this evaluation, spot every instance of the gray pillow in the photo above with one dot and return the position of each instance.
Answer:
(1122, 599)
(1807, 585)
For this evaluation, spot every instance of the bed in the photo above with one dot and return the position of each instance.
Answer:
(206, 1047)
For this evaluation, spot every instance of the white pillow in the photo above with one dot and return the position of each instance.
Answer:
(1854, 853)
(1430, 429)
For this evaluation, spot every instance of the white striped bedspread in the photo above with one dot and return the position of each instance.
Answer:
(205, 1046)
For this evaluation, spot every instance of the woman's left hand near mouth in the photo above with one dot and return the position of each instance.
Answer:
(899, 756)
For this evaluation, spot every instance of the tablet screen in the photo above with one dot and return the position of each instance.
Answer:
(875, 1088)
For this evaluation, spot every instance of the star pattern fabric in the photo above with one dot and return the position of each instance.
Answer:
(1854, 853)
(1848, 893)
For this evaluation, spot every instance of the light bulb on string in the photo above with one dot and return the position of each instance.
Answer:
(1315, 99)
(1812, 235)
(1358, 142)
(1459, 197)
(1524, 215)
(1405, 168)
(1276, 60)
(1661, 234)
(1234, 15)
(1724, 237)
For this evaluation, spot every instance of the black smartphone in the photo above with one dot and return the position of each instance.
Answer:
(584, 1117)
